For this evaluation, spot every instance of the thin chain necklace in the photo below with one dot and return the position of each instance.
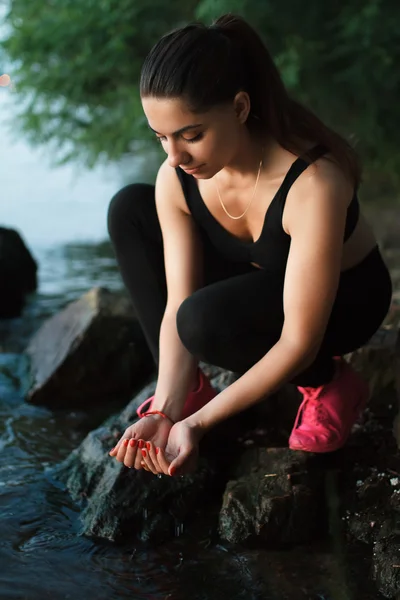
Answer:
(251, 199)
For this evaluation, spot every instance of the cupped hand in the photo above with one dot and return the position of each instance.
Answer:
(151, 429)
(180, 454)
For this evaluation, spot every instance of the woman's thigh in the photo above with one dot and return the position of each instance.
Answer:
(233, 322)
(362, 302)
(241, 317)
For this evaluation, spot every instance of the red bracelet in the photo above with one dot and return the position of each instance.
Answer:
(157, 412)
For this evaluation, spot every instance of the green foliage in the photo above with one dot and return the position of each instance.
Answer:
(76, 68)
(341, 60)
(77, 64)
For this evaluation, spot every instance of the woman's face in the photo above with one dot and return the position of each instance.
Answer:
(204, 142)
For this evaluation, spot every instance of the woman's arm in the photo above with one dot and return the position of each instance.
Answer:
(312, 274)
(183, 266)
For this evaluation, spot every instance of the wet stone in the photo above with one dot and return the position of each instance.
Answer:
(93, 351)
(18, 273)
(275, 499)
(386, 559)
(396, 425)
(113, 497)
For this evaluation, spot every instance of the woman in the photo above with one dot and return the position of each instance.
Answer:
(250, 252)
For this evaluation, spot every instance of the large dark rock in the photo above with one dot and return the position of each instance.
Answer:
(121, 502)
(396, 425)
(18, 272)
(275, 499)
(376, 363)
(91, 352)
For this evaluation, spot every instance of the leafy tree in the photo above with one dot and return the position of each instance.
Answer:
(77, 64)
(76, 68)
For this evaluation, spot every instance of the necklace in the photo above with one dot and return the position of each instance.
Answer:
(251, 199)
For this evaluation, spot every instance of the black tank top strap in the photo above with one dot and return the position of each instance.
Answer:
(295, 171)
(297, 168)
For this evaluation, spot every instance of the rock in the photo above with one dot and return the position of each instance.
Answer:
(119, 503)
(273, 501)
(369, 507)
(122, 503)
(376, 363)
(91, 352)
(396, 424)
(14, 370)
(379, 363)
(373, 517)
(386, 559)
(17, 273)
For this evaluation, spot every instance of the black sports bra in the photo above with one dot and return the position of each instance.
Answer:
(271, 249)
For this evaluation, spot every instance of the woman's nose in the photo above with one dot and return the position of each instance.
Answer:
(176, 157)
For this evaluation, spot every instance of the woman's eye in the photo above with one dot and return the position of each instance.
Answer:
(195, 139)
(162, 138)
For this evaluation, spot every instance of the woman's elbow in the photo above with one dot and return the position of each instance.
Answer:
(303, 348)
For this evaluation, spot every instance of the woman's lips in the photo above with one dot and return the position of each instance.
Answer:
(194, 170)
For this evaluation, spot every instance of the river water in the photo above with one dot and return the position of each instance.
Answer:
(61, 214)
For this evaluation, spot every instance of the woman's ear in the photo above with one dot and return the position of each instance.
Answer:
(242, 106)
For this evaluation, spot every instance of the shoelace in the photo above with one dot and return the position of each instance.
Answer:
(312, 409)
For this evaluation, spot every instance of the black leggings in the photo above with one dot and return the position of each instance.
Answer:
(237, 316)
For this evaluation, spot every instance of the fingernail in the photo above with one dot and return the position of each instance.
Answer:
(144, 453)
(112, 450)
(141, 443)
(126, 442)
(148, 446)
(132, 442)
(157, 450)
(172, 471)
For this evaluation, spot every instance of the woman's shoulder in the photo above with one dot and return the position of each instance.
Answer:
(323, 175)
(169, 186)
(321, 186)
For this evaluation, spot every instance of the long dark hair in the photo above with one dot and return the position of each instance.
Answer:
(207, 66)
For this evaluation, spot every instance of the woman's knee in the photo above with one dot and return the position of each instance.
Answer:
(127, 205)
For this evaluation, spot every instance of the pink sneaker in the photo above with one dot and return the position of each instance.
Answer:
(196, 399)
(327, 413)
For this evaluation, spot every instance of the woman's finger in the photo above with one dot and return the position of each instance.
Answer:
(122, 450)
(147, 459)
(139, 457)
(130, 455)
(153, 456)
(114, 451)
(162, 461)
